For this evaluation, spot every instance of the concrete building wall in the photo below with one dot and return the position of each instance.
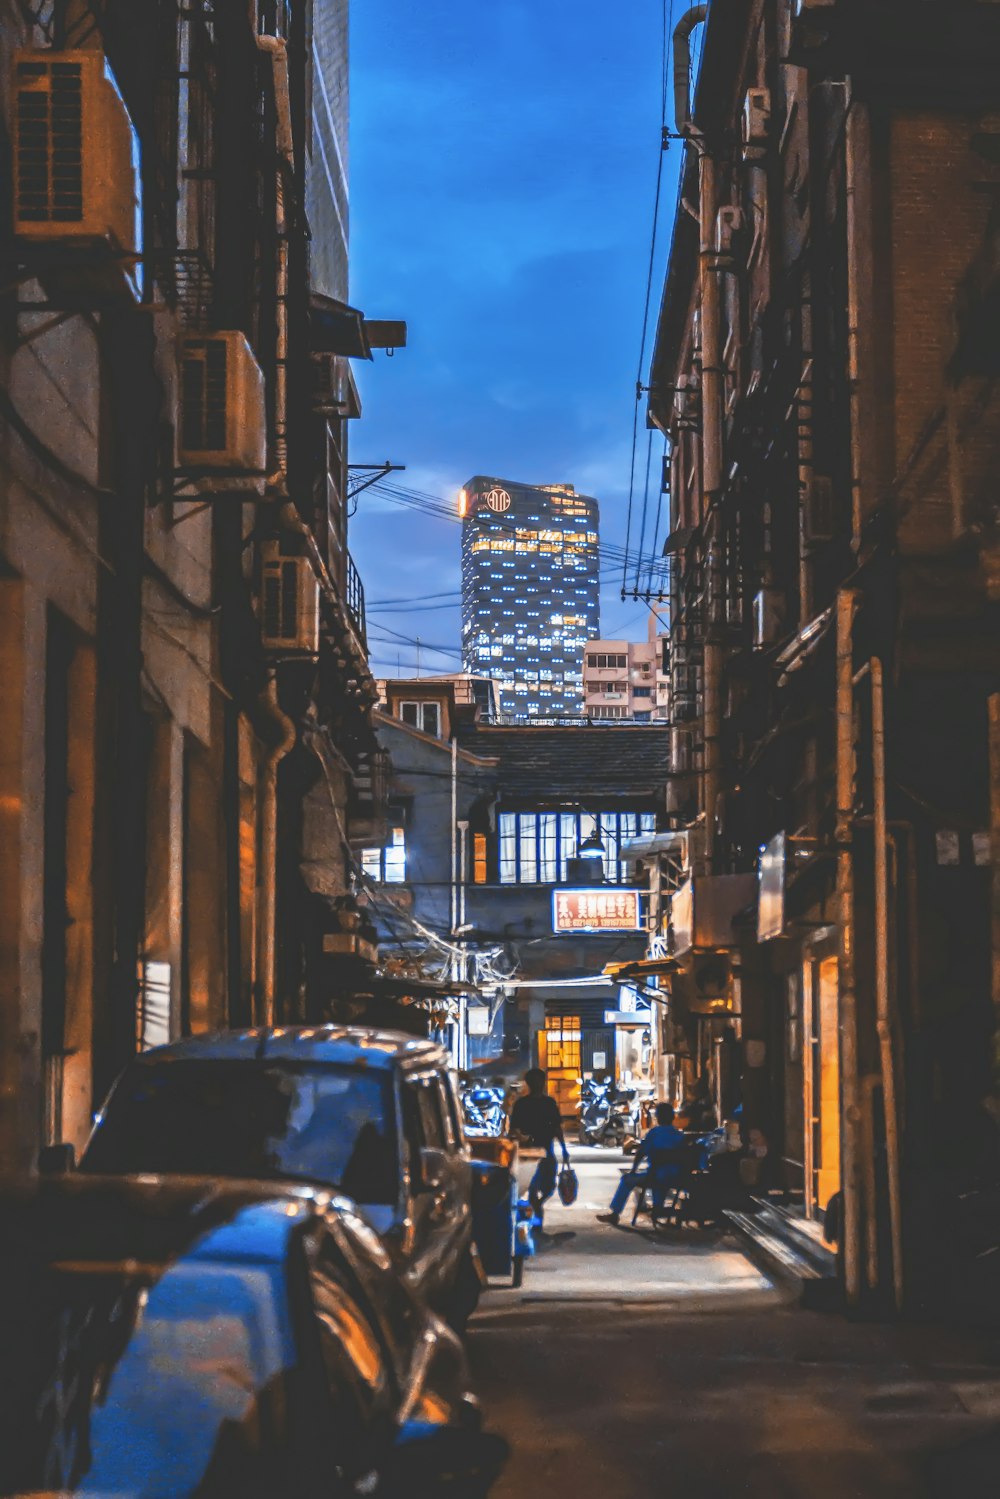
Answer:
(634, 687)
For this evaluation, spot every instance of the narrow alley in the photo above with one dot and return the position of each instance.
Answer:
(637, 1364)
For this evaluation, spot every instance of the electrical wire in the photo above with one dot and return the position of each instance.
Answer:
(668, 15)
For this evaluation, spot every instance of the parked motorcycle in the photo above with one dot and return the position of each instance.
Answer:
(483, 1111)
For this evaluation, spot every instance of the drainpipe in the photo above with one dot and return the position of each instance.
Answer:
(712, 400)
(712, 397)
(994, 754)
(847, 603)
(883, 1020)
(269, 851)
(682, 66)
(274, 47)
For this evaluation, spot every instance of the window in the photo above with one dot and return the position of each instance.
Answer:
(479, 858)
(535, 846)
(642, 692)
(423, 716)
(562, 1042)
(387, 865)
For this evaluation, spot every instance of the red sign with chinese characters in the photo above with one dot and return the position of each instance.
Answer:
(595, 910)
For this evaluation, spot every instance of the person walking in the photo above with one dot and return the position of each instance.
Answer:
(662, 1137)
(535, 1121)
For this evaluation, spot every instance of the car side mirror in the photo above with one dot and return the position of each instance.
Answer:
(433, 1169)
(57, 1160)
(443, 1460)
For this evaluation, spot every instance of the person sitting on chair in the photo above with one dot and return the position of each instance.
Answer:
(663, 1136)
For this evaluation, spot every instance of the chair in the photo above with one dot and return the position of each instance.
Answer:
(664, 1175)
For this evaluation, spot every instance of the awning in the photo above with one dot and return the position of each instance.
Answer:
(798, 651)
(642, 968)
(335, 328)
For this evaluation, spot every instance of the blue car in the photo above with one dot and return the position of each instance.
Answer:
(161, 1339)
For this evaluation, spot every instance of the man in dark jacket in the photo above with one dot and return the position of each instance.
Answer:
(535, 1121)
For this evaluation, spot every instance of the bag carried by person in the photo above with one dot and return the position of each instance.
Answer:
(568, 1185)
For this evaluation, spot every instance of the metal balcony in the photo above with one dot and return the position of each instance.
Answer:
(356, 601)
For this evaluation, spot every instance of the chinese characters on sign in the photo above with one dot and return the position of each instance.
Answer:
(595, 911)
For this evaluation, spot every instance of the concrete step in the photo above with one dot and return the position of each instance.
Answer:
(785, 1245)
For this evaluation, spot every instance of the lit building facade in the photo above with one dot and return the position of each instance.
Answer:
(530, 592)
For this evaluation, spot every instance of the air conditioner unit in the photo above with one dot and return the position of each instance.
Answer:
(222, 423)
(728, 227)
(768, 617)
(334, 392)
(804, 7)
(756, 118)
(819, 518)
(77, 187)
(289, 596)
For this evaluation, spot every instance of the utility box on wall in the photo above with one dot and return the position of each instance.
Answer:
(703, 909)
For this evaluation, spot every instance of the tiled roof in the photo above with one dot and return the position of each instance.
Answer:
(578, 764)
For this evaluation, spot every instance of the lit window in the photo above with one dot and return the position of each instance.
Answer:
(387, 865)
(479, 858)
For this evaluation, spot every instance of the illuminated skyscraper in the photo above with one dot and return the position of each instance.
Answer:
(530, 591)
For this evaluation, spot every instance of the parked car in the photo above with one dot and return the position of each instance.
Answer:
(172, 1337)
(367, 1113)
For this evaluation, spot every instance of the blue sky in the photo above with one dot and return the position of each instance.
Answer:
(503, 165)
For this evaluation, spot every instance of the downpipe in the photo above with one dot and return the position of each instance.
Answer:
(850, 1094)
(267, 936)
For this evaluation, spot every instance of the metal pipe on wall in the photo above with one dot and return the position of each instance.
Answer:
(682, 65)
(712, 400)
(847, 603)
(266, 941)
(882, 1002)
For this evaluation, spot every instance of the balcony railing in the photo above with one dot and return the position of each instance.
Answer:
(356, 600)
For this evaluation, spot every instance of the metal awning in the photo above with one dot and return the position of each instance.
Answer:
(642, 968)
(336, 328)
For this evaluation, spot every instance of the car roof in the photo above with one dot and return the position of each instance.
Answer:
(343, 1045)
(156, 1219)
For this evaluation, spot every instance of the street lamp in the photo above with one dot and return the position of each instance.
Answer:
(588, 866)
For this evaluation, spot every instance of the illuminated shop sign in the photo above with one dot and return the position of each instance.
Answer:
(595, 910)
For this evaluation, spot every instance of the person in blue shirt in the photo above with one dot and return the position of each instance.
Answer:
(663, 1136)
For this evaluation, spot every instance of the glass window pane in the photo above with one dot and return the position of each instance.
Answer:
(567, 841)
(395, 860)
(609, 837)
(547, 865)
(528, 829)
(627, 828)
(508, 848)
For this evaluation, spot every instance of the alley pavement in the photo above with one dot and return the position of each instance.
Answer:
(631, 1365)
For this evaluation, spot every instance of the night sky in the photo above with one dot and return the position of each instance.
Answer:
(503, 167)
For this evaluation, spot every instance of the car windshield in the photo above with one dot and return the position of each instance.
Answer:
(333, 1125)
